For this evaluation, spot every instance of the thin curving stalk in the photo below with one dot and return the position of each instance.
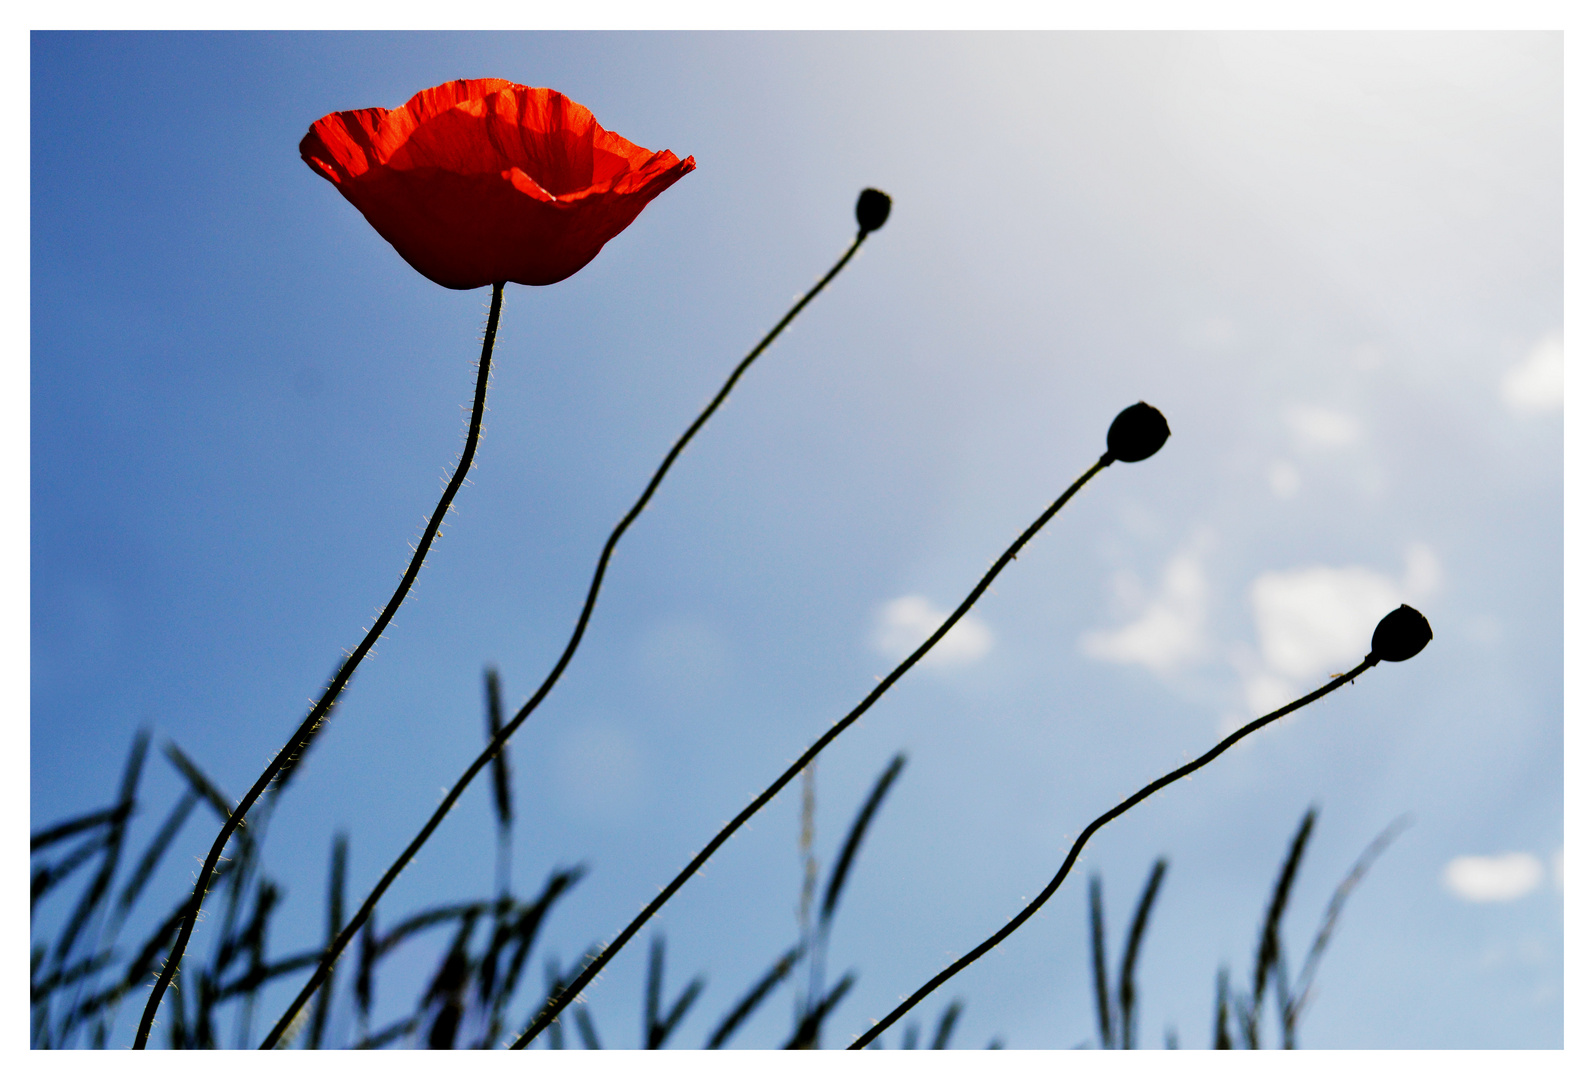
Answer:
(307, 730)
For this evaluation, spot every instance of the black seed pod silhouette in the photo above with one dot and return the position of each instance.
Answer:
(1136, 433)
(1401, 634)
(872, 210)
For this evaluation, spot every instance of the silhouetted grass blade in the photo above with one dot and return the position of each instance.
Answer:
(528, 925)
(1098, 964)
(100, 885)
(1126, 974)
(754, 997)
(363, 989)
(153, 854)
(335, 876)
(447, 989)
(213, 796)
(66, 829)
(63, 978)
(50, 875)
(502, 803)
(807, 1034)
(656, 1029)
(1267, 949)
(855, 835)
(1300, 997)
(1220, 1025)
(949, 1020)
(589, 1033)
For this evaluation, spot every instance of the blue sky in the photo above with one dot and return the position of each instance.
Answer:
(1334, 262)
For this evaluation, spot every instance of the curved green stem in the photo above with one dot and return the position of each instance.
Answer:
(330, 957)
(301, 738)
(565, 997)
(1079, 845)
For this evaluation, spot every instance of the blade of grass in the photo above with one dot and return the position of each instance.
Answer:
(66, 829)
(855, 835)
(807, 1035)
(1098, 963)
(447, 990)
(47, 877)
(589, 1032)
(97, 889)
(152, 856)
(943, 1030)
(1220, 1026)
(503, 802)
(1267, 948)
(655, 989)
(1126, 974)
(1300, 998)
(656, 1029)
(61, 979)
(754, 997)
(335, 874)
(527, 928)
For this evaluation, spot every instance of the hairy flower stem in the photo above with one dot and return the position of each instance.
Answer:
(553, 1008)
(301, 738)
(330, 957)
(1090, 830)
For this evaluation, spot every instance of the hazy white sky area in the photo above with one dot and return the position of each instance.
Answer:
(1332, 260)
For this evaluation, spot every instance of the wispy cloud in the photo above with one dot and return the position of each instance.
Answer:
(1170, 632)
(1536, 384)
(902, 626)
(1485, 879)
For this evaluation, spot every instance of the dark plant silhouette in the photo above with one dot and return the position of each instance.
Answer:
(1270, 963)
(1115, 1015)
(447, 180)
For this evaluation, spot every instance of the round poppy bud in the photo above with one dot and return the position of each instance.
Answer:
(1401, 634)
(873, 209)
(1136, 433)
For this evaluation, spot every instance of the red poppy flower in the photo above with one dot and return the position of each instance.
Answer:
(481, 180)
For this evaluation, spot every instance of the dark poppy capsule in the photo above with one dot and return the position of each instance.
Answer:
(1401, 634)
(872, 210)
(1136, 433)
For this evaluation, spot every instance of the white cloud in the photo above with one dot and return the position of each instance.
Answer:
(1314, 426)
(903, 625)
(1536, 385)
(1493, 878)
(1171, 629)
(1310, 620)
